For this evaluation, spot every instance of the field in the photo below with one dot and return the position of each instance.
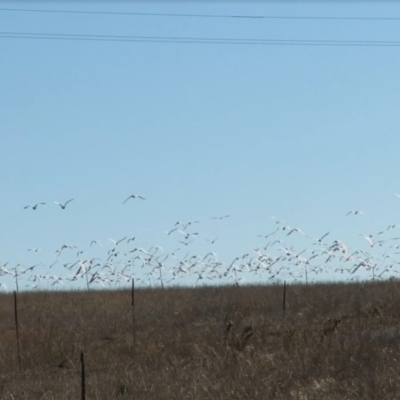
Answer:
(337, 341)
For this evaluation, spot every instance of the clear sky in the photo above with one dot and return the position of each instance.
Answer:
(303, 133)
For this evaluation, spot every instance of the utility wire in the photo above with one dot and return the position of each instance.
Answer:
(201, 40)
(147, 14)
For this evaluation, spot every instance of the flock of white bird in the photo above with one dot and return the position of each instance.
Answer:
(275, 260)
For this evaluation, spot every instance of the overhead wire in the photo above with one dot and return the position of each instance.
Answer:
(183, 15)
(198, 40)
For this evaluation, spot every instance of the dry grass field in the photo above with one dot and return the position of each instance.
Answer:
(338, 341)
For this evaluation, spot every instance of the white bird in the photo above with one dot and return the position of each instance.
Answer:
(33, 286)
(188, 234)
(4, 271)
(134, 196)
(186, 243)
(35, 250)
(63, 205)
(222, 217)
(117, 242)
(189, 223)
(369, 240)
(34, 207)
(140, 249)
(355, 212)
(270, 234)
(322, 237)
(277, 221)
(29, 269)
(63, 247)
(295, 230)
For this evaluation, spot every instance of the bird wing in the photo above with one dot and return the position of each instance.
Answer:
(119, 241)
(368, 240)
(128, 199)
(326, 234)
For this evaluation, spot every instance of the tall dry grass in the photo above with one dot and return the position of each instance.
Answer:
(336, 342)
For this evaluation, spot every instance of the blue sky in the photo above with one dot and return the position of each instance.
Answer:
(302, 133)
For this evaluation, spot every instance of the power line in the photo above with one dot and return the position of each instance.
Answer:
(147, 14)
(199, 40)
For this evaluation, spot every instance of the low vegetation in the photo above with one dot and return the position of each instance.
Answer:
(337, 341)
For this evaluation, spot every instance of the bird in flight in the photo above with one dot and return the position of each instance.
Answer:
(270, 234)
(63, 205)
(186, 243)
(134, 196)
(323, 237)
(295, 230)
(35, 250)
(117, 242)
(369, 240)
(221, 217)
(34, 207)
(355, 212)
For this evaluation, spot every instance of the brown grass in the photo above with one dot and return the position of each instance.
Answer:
(337, 342)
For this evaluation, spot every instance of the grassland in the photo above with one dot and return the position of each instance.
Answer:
(338, 341)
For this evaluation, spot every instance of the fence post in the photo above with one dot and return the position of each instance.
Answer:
(284, 300)
(133, 313)
(17, 330)
(83, 378)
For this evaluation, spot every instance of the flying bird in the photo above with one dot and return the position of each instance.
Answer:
(221, 217)
(295, 230)
(34, 207)
(134, 196)
(270, 234)
(186, 243)
(117, 242)
(35, 250)
(369, 240)
(63, 247)
(63, 205)
(355, 212)
(322, 237)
